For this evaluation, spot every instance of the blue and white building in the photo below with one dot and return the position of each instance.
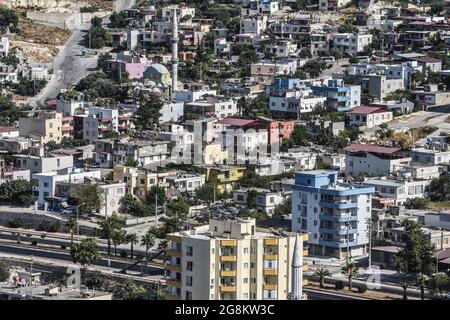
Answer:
(334, 214)
(340, 97)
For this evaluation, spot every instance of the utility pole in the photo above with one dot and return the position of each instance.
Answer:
(348, 239)
(370, 243)
(156, 210)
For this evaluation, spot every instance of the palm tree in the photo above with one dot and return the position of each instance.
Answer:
(147, 240)
(118, 237)
(132, 239)
(421, 283)
(163, 244)
(322, 273)
(109, 226)
(405, 285)
(71, 225)
(351, 271)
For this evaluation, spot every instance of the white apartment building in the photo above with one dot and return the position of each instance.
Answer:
(332, 5)
(334, 214)
(4, 47)
(260, 7)
(351, 43)
(279, 49)
(70, 106)
(212, 106)
(374, 160)
(193, 95)
(369, 117)
(265, 199)
(99, 122)
(221, 46)
(185, 182)
(428, 156)
(171, 112)
(167, 12)
(399, 190)
(230, 260)
(253, 25)
(43, 164)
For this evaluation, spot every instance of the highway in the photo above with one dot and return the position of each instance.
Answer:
(325, 295)
(111, 264)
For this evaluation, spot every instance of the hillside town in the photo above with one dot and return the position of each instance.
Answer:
(225, 150)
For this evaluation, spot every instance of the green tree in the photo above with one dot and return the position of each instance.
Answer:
(322, 274)
(109, 227)
(314, 67)
(439, 189)
(85, 252)
(154, 193)
(11, 60)
(405, 285)
(17, 192)
(421, 283)
(90, 196)
(148, 112)
(417, 257)
(350, 269)
(348, 28)
(178, 208)
(438, 284)
(8, 19)
(118, 238)
(132, 239)
(9, 112)
(131, 163)
(128, 203)
(4, 272)
(118, 20)
(148, 241)
(71, 226)
(416, 203)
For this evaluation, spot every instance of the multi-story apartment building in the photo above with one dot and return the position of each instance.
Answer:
(332, 5)
(232, 260)
(334, 214)
(339, 96)
(429, 155)
(374, 160)
(4, 47)
(368, 117)
(399, 190)
(260, 7)
(268, 71)
(379, 86)
(297, 28)
(223, 177)
(185, 182)
(351, 43)
(253, 25)
(99, 122)
(212, 106)
(142, 151)
(279, 49)
(44, 126)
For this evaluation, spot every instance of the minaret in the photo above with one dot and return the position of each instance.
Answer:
(175, 51)
(297, 271)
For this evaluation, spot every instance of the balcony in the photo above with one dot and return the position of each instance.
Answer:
(104, 120)
(67, 128)
(338, 218)
(337, 244)
(338, 205)
(174, 267)
(228, 258)
(173, 282)
(270, 286)
(341, 232)
(270, 272)
(270, 242)
(173, 297)
(105, 129)
(270, 257)
(228, 288)
(229, 273)
(174, 253)
(228, 243)
(123, 127)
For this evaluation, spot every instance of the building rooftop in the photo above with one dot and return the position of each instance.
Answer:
(355, 147)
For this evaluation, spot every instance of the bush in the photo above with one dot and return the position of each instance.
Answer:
(34, 243)
(339, 285)
(16, 223)
(63, 246)
(123, 254)
(362, 288)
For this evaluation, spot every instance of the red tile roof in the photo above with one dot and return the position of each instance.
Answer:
(367, 110)
(7, 129)
(426, 59)
(355, 147)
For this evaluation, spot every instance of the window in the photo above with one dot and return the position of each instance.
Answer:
(245, 250)
(189, 251)
(189, 281)
(189, 265)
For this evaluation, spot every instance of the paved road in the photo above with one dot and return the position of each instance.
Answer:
(323, 295)
(426, 118)
(107, 263)
(69, 66)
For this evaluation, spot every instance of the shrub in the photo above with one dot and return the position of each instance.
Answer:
(16, 223)
(34, 243)
(123, 254)
(362, 288)
(339, 285)
(63, 246)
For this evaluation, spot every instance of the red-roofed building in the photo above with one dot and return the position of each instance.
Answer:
(368, 117)
(8, 132)
(373, 160)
